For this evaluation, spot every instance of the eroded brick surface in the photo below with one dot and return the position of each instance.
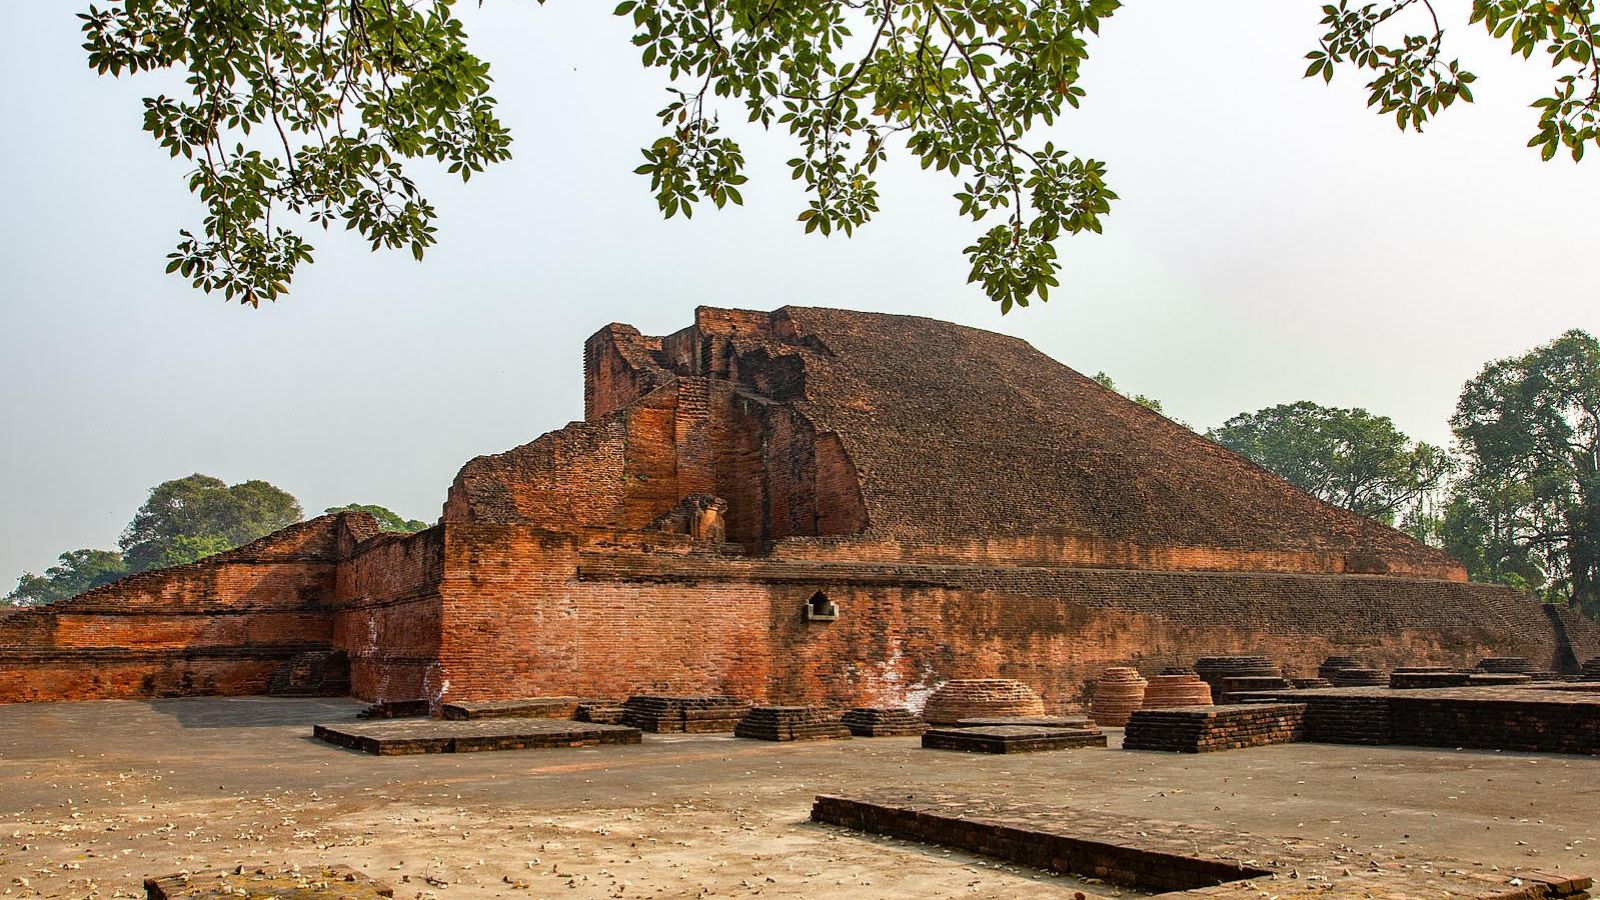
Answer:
(811, 507)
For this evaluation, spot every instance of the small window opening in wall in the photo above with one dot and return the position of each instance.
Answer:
(820, 609)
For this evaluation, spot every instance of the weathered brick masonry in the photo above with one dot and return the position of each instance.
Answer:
(806, 507)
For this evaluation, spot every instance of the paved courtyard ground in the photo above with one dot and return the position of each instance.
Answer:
(96, 796)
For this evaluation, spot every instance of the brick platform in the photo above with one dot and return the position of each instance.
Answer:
(1401, 680)
(395, 709)
(1157, 856)
(683, 714)
(896, 721)
(1498, 679)
(602, 712)
(1011, 739)
(1359, 677)
(531, 708)
(789, 723)
(1035, 721)
(317, 883)
(1201, 729)
(1557, 719)
(1507, 664)
(443, 736)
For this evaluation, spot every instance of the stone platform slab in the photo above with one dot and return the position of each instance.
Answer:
(317, 883)
(1010, 739)
(1035, 721)
(529, 708)
(1185, 860)
(449, 736)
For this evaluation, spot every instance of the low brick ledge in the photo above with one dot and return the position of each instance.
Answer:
(14, 655)
(1167, 856)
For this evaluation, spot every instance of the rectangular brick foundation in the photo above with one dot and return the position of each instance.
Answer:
(1061, 845)
(444, 736)
(789, 723)
(1011, 739)
(683, 714)
(531, 708)
(1201, 729)
(1526, 719)
(1185, 859)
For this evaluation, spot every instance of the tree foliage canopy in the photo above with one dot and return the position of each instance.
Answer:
(76, 571)
(1109, 384)
(388, 520)
(183, 520)
(1529, 506)
(1347, 457)
(189, 518)
(312, 110)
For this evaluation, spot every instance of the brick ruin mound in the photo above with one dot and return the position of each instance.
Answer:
(757, 505)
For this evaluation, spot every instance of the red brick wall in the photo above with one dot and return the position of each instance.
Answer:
(529, 612)
(389, 614)
(219, 626)
(1076, 551)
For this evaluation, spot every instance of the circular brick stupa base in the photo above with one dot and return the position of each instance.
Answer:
(1168, 691)
(1117, 694)
(966, 698)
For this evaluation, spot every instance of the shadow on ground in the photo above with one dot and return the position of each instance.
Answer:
(253, 712)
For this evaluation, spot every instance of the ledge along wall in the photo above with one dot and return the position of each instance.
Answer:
(972, 507)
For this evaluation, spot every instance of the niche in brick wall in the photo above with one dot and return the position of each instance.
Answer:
(820, 609)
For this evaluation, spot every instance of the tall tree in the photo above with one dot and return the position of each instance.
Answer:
(76, 571)
(1530, 427)
(388, 520)
(189, 518)
(1347, 457)
(316, 107)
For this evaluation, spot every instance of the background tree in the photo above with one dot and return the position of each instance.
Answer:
(311, 110)
(1530, 428)
(387, 519)
(1347, 457)
(1106, 382)
(189, 518)
(75, 572)
(1484, 525)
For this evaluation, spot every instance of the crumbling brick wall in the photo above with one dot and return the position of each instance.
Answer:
(222, 625)
(972, 507)
(389, 614)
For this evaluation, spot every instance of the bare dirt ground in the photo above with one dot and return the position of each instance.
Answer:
(96, 796)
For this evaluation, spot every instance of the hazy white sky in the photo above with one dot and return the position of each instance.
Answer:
(1274, 242)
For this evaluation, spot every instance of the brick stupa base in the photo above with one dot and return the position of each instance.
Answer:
(966, 698)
